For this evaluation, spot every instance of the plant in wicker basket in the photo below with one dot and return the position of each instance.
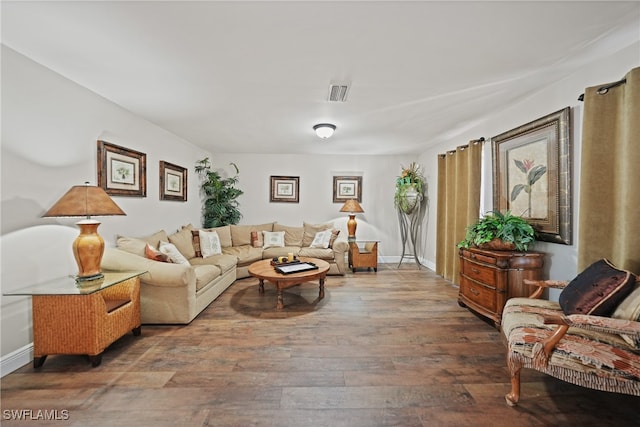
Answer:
(498, 231)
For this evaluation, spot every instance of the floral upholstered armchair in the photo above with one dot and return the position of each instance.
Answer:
(590, 337)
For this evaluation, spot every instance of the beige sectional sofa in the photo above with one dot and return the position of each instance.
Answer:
(172, 292)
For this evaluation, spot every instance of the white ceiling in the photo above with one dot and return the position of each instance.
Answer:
(250, 76)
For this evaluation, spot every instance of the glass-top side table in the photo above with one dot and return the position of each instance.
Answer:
(67, 285)
(84, 317)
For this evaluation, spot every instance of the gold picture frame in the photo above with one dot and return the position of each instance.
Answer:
(532, 175)
(285, 189)
(173, 182)
(121, 171)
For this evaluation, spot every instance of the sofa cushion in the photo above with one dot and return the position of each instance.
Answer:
(241, 234)
(292, 235)
(183, 240)
(173, 253)
(326, 254)
(205, 274)
(154, 254)
(597, 290)
(245, 253)
(209, 243)
(273, 239)
(136, 245)
(310, 231)
(223, 262)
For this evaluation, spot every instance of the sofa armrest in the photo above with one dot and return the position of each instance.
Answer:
(340, 246)
(157, 273)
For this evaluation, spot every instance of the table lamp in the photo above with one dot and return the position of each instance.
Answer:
(88, 247)
(352, 206)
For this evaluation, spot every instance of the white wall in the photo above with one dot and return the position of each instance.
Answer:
(379, 220)
(50, 126)
(561, 262)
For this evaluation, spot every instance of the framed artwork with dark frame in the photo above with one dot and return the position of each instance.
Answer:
(173, 182)
(121, 171)
(285, 189)
(347, 187)
(532, 175)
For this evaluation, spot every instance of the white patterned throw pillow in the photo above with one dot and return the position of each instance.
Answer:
(322, 239)
(209, 243)
(273, 239)
(173, 253)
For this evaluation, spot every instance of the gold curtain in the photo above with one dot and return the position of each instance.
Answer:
(608, 218)
(459, 174)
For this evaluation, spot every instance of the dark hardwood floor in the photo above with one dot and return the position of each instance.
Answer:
(391, 348)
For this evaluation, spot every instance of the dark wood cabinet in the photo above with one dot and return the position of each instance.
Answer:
(489, 278)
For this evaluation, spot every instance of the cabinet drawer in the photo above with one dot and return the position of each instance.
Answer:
(479, 272)
(479, 294)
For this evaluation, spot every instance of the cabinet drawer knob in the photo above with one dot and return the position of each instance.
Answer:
(475, 270)
(473, 291)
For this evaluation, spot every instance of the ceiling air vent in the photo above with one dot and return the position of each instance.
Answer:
(338, 93)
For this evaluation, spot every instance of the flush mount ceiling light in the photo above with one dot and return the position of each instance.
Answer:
(324, 130)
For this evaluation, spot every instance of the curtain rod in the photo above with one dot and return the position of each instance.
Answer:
(604, 89)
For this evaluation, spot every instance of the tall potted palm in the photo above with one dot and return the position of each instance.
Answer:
(220, 206)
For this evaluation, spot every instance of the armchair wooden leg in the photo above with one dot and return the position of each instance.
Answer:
(513, 396)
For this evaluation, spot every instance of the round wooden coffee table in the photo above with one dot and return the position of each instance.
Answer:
(263, 270)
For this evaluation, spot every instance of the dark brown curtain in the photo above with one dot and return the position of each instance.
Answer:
(609, 211)
(459, 174)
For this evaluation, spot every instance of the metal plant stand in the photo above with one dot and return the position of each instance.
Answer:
(409, 226)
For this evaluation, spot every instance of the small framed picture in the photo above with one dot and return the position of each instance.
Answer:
(173, 182)
(285, 189)
(347, 187)
(121, 171)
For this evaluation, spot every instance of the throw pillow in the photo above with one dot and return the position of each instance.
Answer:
(334, 236)
(597, 290)
(629, 309)
(257, 241)
(310, 231)
(321, 239)
(209, 243)
(154, 254)
(173, 253)
(273, 239)
(196, 243)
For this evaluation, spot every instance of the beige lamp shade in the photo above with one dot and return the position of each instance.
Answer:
(88, 248)
(352, 206)
(84, 200)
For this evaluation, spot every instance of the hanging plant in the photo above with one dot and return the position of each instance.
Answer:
(409, 188)
(220, 206)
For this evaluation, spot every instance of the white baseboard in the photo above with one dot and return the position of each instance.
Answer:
(16, 359)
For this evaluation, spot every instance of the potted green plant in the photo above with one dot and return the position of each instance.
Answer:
(499, 231)
(220, 206)
(409, 188)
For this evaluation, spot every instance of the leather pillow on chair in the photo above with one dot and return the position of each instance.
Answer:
(597, 290)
